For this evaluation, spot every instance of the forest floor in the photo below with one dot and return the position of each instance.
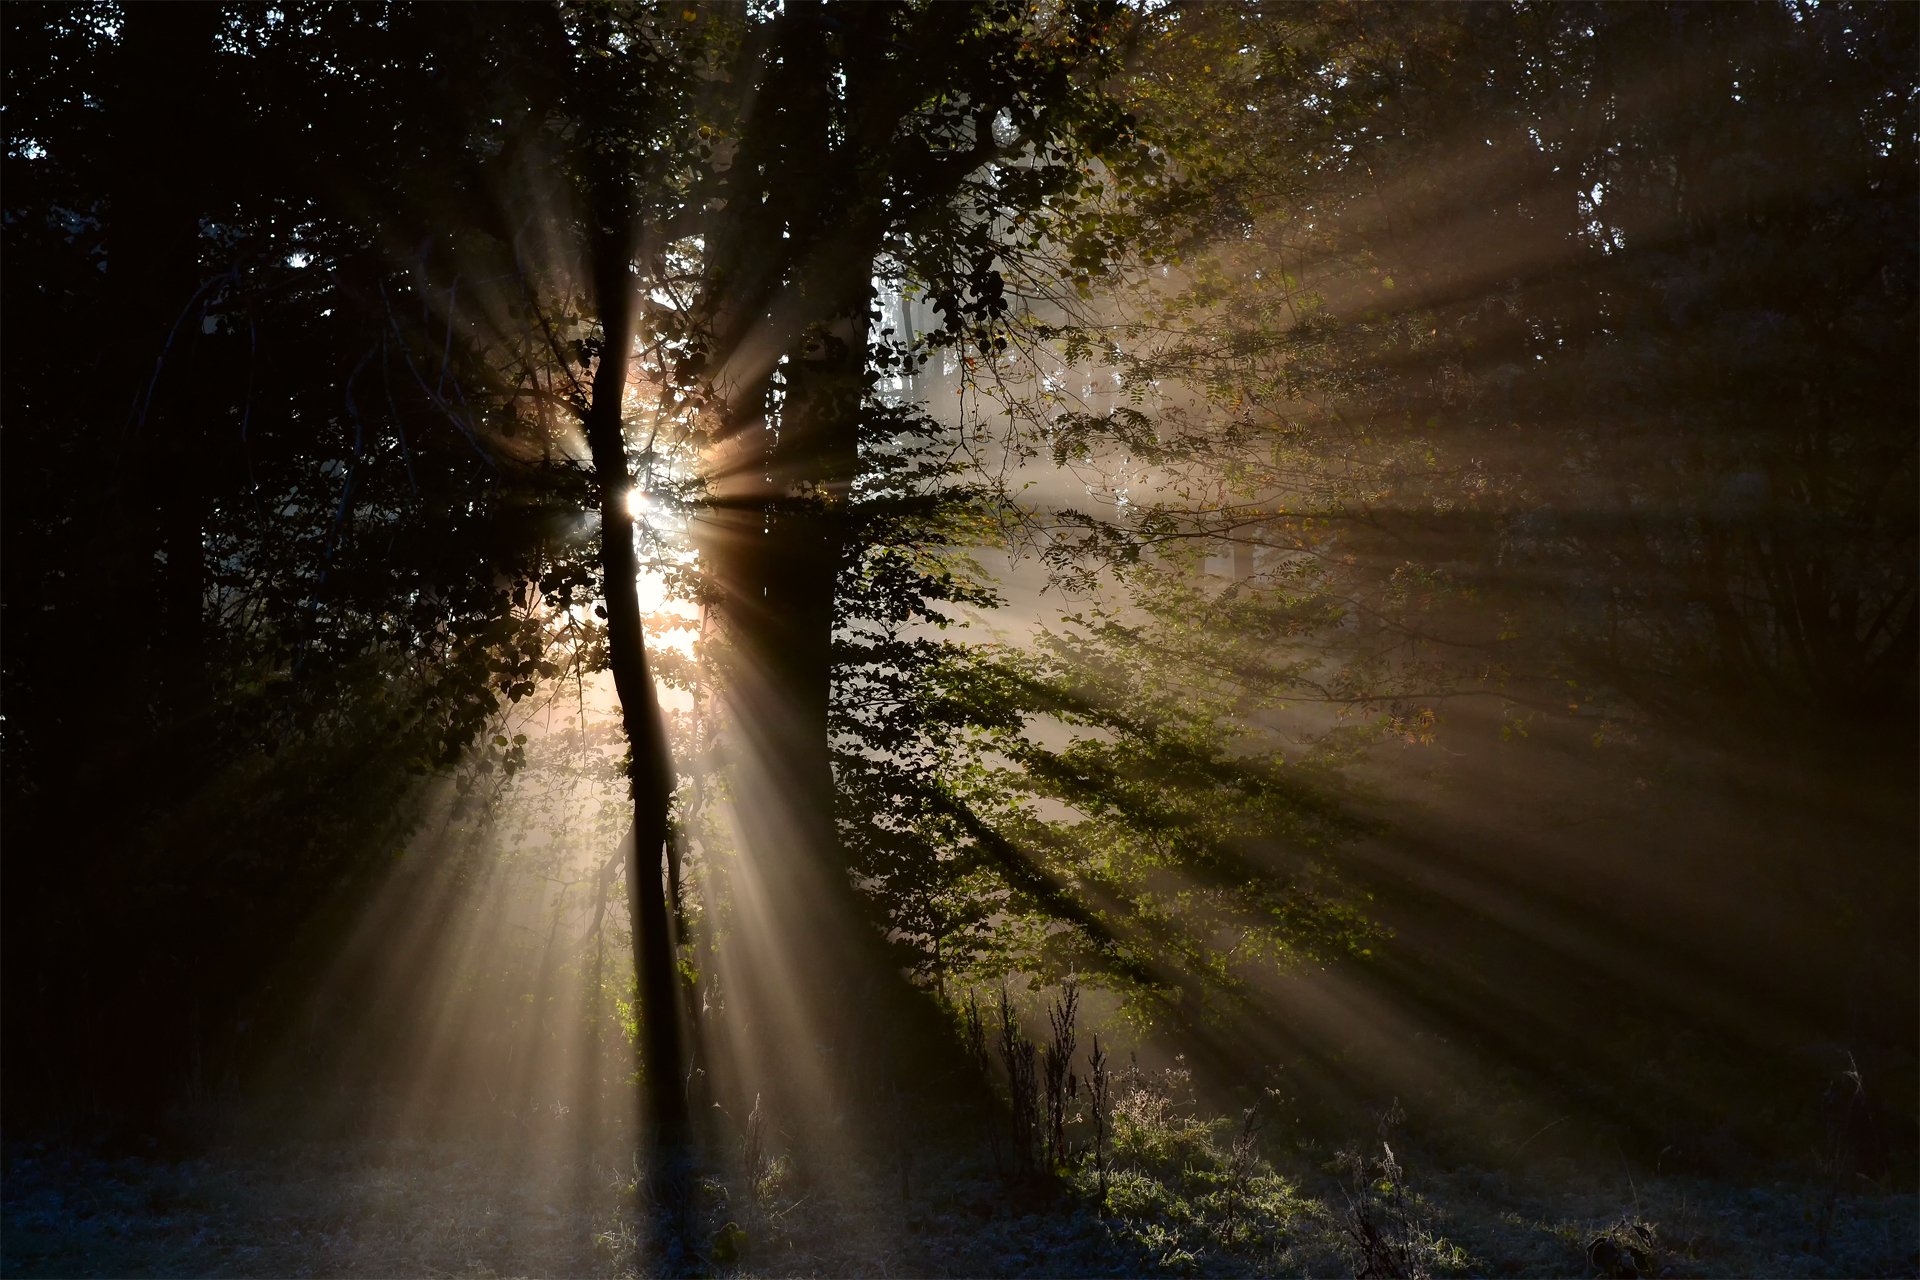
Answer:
(1182, 1200)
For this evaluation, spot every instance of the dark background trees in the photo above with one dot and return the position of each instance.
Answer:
(255, 549)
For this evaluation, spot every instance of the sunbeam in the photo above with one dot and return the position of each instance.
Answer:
(956, 638)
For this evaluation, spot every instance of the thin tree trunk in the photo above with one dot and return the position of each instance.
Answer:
(612, 247)
(649, 769)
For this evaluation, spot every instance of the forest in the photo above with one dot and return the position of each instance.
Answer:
(959, 638)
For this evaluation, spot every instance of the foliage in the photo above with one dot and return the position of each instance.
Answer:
(1507, 361)
(1195, 1192)
(1095, 804)
(1582, 372)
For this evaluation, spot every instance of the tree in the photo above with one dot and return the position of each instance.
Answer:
(552, 210)
(1445, 263)
(293, 573)
(840, 161)
(1519, 367)
(757, 313)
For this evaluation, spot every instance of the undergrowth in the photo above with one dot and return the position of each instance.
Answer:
(1079, 1166)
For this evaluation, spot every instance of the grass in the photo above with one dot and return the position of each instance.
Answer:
(1183, 1193)
(398, 1208)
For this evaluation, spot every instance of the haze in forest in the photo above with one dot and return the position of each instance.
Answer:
(1004, 638)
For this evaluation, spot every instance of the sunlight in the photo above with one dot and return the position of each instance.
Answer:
(482, 979)
(1047, 623)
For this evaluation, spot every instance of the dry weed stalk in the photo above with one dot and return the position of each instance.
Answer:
(1021, 1059)
(1062, 1085)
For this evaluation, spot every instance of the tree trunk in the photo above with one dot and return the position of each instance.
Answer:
(143, 553)
(649, 770)
(595, 94)
(789, 296)
(159, 178)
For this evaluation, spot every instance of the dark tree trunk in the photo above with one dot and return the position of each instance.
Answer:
(789, 300)
(817, 458)
(649, 770)
(159, 177)
(142, 553)
(595, 94)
